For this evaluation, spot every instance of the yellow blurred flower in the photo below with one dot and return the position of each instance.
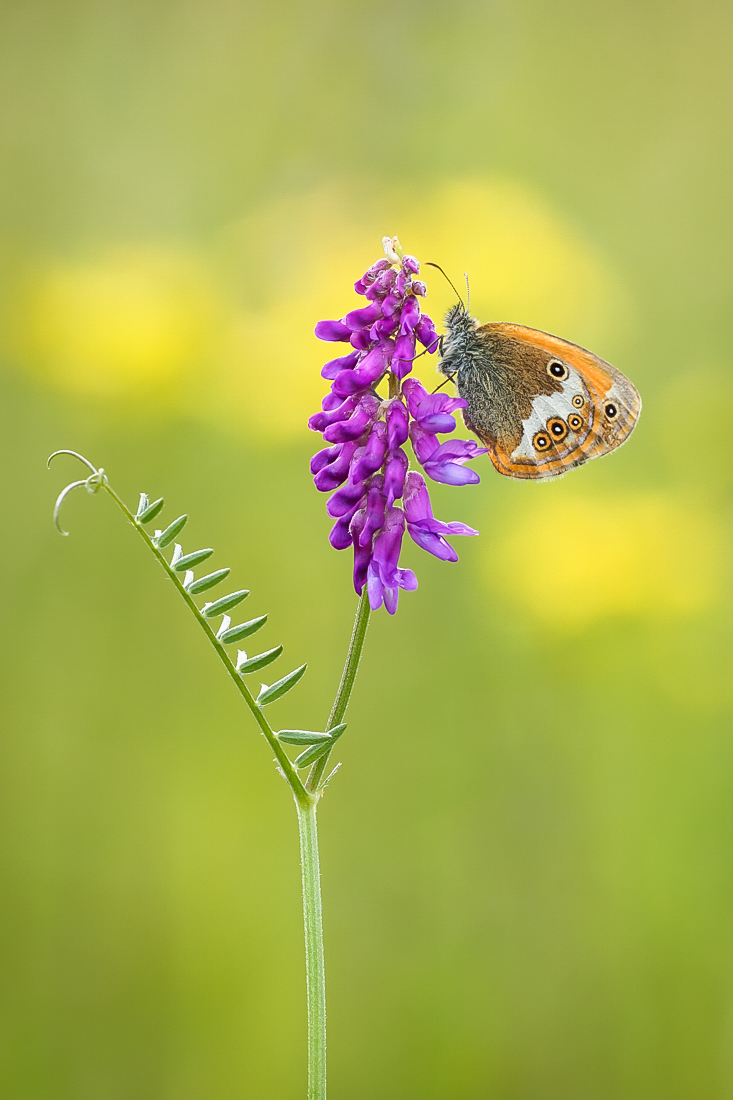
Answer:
(134, 321)
(574, 560)
(524, 263)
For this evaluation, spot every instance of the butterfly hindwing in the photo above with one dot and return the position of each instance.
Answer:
(541, 404)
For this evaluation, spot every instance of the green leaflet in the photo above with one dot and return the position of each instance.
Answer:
(236, 633)
(188, 561)
(309, 737)
(260, 661)
(171, 531)
(277, 690)
(208, 581)
(151, 511)
(303, 737)
(316, 751)
(226, 603)
(310, 755)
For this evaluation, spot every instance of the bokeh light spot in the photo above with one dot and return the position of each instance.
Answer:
(133, 321)
(573, 561)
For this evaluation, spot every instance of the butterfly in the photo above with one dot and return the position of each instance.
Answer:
(541, 405)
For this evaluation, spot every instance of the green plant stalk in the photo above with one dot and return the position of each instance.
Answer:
(312, 908)
(315, 972)
(306, 795)
(348, 677)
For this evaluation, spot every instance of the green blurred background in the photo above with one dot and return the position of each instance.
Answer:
(528, 854)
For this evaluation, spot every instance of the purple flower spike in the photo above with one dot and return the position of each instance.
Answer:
(404, 353)
(332, 330)
(369, 276)
(423, 443)
(322, 420)
(426, 334)
(361, 340)
(384, 577)
(386, 327)
(365, 466)
(336, 471)
(374, 512)
(369, 370)
(397, 424)
(325, 457)
(330, 402)
(363, 318)
(382, 285)
(394, 476)
(362, 418)
(374, 452)
(333, 368)
(410, 316)
(345, 499)
(340, 536)
(432, 410)
(422, 526)
(391, 305)
(362, 554)
(446, 462)
(403, 284)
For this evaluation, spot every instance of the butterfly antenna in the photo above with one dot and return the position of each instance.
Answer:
(440, 269)
(468, 291)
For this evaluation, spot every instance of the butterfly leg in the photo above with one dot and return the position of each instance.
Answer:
(448, 378)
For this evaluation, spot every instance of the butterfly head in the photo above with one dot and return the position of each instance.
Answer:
(458, 320)
(460, 326)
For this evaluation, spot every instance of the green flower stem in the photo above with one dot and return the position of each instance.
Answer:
(303, 798)
(314, 961)
(348, 676)
(312, 909)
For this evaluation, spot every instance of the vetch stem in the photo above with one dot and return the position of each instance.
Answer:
(348, 676)
(312, 910)
(314, 959)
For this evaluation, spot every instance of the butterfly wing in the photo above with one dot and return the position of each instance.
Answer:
(541, 404)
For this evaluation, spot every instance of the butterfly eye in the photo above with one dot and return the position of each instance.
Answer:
(575, 422)
(611, 411)
(578, 401)
(542, 441)
(557, 428)
(558, 370)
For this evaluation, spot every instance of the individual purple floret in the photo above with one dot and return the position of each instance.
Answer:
(365, 465)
